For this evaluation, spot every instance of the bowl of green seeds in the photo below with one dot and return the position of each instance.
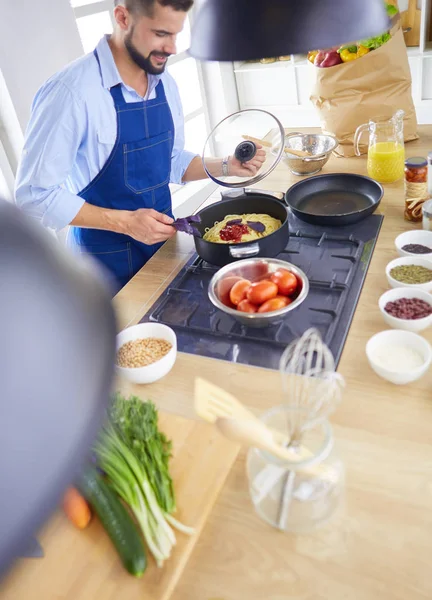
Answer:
(410, 271)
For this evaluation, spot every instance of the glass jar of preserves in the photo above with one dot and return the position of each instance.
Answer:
(416, 187)
(297, 496)
(416, 170)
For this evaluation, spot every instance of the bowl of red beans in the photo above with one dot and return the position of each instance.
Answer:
(405, 308)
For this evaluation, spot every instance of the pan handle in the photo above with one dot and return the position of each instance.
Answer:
(277, 195)
(248, 191)
(244, 251)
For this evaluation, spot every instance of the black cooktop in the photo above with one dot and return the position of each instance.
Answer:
(334, 259)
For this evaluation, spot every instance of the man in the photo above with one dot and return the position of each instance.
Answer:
(106, 137)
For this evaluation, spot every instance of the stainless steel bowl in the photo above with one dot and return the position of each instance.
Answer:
(319, 144)
(255, 269)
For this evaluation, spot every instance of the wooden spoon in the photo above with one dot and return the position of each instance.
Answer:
(256, 434)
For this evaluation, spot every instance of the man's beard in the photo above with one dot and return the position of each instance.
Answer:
(143, 62)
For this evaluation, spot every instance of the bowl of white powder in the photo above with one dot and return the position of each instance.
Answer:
(399, 356)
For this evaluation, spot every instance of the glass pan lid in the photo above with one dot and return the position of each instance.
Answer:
(240, 135)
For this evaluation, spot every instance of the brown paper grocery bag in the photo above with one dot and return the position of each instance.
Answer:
(373, 87)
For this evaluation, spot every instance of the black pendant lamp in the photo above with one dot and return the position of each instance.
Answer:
(57, 355)
(228, 30)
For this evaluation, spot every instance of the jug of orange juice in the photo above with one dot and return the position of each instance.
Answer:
(386, 153)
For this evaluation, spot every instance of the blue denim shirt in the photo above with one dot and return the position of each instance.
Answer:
(72, 131)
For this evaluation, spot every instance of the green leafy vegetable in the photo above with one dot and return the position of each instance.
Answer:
(350, 47)
(391, 10)
(376, 42)
(137, 423)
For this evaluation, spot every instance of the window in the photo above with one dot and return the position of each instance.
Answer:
(95, 18)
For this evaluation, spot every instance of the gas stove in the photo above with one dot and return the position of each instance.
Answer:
(335, 260)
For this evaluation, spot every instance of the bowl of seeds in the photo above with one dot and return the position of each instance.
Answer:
(415, 243)
(413, 272)
(146, 352)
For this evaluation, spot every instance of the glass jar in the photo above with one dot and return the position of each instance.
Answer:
(427, 215)
(296, 496)
(416, 170)
(430, 173)
(416, 187)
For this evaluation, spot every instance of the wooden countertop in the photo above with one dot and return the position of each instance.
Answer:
(379, 546)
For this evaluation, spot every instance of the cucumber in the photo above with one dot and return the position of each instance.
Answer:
(116, 521)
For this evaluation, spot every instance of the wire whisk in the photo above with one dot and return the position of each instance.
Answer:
(312, 388)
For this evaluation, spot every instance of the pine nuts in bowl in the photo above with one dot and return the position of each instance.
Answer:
(146, 352)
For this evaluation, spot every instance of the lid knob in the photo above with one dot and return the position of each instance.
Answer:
(245, 151)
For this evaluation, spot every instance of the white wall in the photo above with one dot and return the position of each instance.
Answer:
(37, 38)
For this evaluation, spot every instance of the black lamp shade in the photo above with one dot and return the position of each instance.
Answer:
(228, 30)
(57, 354)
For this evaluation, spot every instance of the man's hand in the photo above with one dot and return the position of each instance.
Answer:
(247, 169)
(149, 226)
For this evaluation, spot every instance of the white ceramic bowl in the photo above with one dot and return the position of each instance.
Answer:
(158, 369)
(419, 236)
(406, 324)
(409, 260)
(393, 338)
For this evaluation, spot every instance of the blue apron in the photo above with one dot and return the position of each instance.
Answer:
(136, 175)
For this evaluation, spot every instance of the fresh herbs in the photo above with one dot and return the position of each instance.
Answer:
(137, 423)
(256, 226)
(185, 225)
(135, 455)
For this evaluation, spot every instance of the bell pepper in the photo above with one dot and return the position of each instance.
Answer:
(348, 53)
(362, 50)
(327, 58)
(311, 56)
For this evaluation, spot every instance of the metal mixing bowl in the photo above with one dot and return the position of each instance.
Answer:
(319, 144)
(255, 269)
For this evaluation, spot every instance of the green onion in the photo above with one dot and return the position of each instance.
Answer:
(135, 456)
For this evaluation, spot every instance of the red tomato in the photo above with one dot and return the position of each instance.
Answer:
(274, 304)
(261, 291)
(286, 281)
(238, 291)
(247, 307)
(224, 288)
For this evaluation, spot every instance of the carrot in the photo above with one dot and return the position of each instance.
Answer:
(76, 508)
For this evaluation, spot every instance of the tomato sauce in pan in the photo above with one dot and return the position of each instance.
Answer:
(233, 233)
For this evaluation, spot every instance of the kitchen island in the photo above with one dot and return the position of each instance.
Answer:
(378, 547)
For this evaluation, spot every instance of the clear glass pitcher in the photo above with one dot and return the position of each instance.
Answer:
(386, 154)
(297, 497)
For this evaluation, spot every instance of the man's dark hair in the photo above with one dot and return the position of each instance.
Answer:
(146, 6)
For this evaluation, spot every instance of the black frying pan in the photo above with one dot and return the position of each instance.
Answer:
(334, 199)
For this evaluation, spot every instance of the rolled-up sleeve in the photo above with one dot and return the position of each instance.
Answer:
(180, 158)
(54, 134)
